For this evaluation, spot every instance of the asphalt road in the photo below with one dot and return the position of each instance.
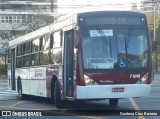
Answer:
(91, 110)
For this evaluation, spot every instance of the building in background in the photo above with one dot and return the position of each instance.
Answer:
(18, 17)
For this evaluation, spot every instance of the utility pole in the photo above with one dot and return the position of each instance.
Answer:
(154, 10)
(52, 6)
(154, 37)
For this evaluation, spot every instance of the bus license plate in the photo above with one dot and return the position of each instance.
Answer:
(117, 89)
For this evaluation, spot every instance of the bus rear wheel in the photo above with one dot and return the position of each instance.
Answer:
(20, 94)
(113, 102)
(57, 96)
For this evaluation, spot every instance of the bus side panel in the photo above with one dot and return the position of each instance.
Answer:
(38, 81)
(24, 76)
(34, 81)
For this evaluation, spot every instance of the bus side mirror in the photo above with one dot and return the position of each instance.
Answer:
(77, 39)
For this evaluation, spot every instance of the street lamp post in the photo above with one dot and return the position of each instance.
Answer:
(154, 8)
(154, 37)
(52, 6)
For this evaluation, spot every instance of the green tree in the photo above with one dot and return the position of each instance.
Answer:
(5, 37)
(156, 45)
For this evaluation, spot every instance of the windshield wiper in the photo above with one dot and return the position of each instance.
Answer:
(108, 43)
(103, 35)
(127, 39)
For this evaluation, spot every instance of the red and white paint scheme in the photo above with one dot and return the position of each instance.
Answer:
(86, 56)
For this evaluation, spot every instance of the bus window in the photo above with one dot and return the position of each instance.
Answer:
(9, 53)
(41, 44)
(44, 58)
(19, 50)
(44, 42)
(56, 56)
(34, 59)
(57, 39)
(61, 38)
(26, 61)
(51, 40)
(26, 48)
(137, 57)
(9, 61)
(19, 62)
(35, 45)
(119, 46)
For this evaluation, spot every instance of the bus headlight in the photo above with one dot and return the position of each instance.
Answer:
(89, 81)
(143, 80)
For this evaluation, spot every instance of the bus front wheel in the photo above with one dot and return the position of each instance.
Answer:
(57, 96)
(113, 102)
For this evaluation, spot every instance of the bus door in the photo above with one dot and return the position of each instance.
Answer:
(13, 82)
(68, 63)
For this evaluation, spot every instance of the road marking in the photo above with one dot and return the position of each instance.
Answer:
(148, 101)
(136, 107)
(16, 104)
(64, 111)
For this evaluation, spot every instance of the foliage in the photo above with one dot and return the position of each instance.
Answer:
(33, 23)
(30, 24)
(2, 69)
(5, 36)
(156, 45)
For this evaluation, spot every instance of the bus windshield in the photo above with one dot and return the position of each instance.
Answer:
(121, 47)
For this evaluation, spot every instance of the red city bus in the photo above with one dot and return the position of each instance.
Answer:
(86, 56)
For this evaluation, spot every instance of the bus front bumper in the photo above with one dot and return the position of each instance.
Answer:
(106, 91)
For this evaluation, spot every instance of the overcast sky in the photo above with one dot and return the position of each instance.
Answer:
(97, 1)
(83, 5)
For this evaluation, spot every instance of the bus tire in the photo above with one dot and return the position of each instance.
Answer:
(20, 94)
(113, 102)
(57, 96)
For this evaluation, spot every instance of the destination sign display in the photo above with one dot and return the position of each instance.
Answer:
(114, 21)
